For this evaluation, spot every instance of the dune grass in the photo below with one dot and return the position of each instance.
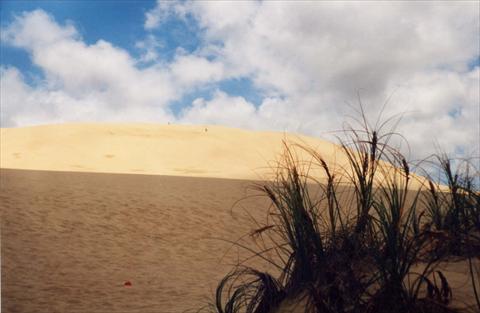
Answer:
(348, 253)
(455, 214)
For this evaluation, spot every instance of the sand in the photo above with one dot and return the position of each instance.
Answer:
(173, 150)
(71, 240)
(176, 150)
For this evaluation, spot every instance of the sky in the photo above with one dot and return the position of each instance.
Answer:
(296, 66)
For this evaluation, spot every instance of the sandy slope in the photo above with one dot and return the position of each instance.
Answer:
(199, 151)
(70, 240)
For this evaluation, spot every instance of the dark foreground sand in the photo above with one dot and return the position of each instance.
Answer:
(69, 241)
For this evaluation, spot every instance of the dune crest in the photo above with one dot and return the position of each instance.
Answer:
(177, 150)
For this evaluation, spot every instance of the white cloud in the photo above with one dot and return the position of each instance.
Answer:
(91, 82)
(35, 30)
(81, 81)
(161, 12)
(148, 47)
(441, 107)
(297, 48)
(315, 57)
(222, 110)
(189, 70)
(24, 105)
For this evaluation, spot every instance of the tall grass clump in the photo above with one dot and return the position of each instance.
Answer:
(454, 210)
(454, 213)
(398, 242)
(308, 244)
(349, 242)
(311, 235)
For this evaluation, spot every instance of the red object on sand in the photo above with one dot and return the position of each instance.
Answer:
(127, 284)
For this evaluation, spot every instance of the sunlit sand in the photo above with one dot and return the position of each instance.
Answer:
(178, 150)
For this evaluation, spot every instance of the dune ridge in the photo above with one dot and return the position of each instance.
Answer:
(175, 150)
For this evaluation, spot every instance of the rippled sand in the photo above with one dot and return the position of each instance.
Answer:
(71, 240)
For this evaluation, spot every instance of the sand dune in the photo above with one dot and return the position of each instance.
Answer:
(198, 151)
(174, 150)
(76, 224)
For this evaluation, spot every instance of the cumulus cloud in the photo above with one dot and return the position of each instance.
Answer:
(148, 48)
(162, 11)
(222, 110)
(81, 81)
(190, 69)
(91, 82)
(311, 58)
(37, 29)
(441, 108)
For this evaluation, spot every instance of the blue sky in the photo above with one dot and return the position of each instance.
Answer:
(119, 22)
(251, 64)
